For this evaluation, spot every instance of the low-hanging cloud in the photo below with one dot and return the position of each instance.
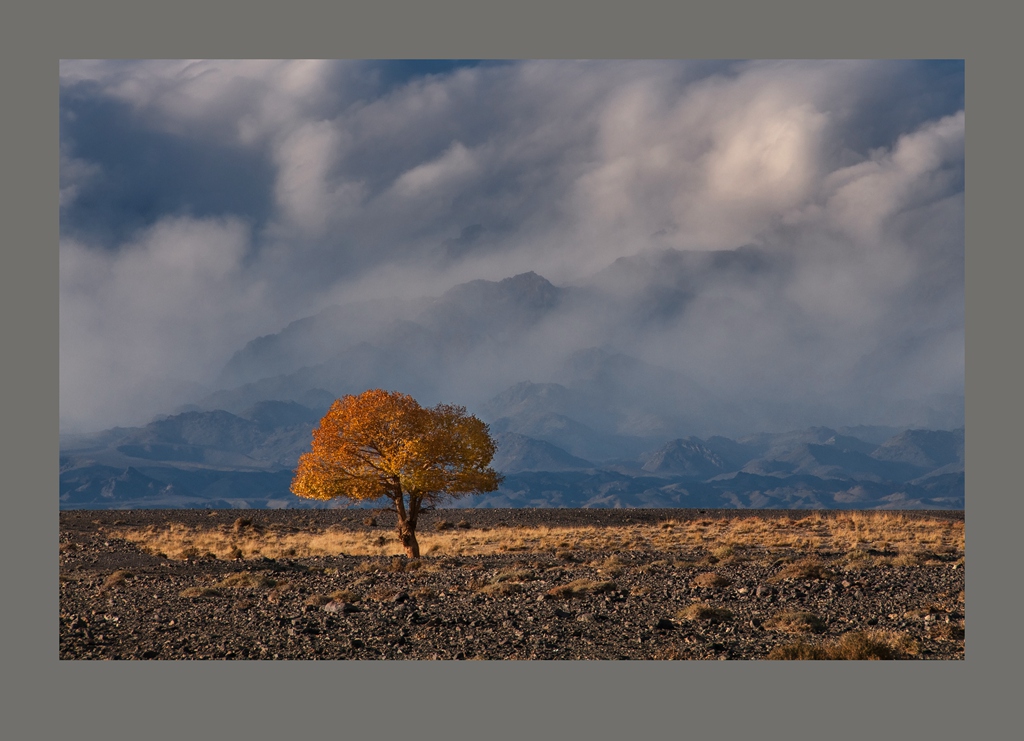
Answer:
(850, 174)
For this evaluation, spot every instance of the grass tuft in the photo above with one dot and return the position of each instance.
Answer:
(246, 580)
(874, 645)
(710, 580)
(796, 622)
(118, 577)
(805, 568)
(581, 588)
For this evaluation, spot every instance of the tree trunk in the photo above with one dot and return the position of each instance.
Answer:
(407, 535)
(407, 525)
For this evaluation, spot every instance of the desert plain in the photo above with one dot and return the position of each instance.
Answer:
(507, 584)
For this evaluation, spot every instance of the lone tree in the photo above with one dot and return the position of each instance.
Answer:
(384, 444)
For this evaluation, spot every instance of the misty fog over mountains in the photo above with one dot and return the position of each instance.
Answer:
(617, 354)
(601, 427)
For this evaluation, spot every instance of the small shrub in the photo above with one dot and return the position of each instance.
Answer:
(806, 568)
(443, 525)
(796, 622)
(907, 559)
(710, 580)
(246, 580)
(199, 592)
(515, 575)
(501, 588)
(118, 577)
(463, 524)
(582, 587)
(317, 600)
(704, 612)
(724, 552)
(612, 566)
(873, 645)
(370, 521)
(854, 646)
(242, 524)
(400, 564)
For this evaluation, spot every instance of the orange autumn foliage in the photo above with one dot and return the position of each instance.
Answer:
(384, 444)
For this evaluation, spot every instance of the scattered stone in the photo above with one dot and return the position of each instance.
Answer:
(343, 607)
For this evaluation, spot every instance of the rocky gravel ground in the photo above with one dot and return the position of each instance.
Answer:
(118, 602)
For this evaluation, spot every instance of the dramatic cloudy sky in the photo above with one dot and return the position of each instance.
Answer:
(204, 203)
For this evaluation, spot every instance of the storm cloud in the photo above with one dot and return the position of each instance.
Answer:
(204, 204)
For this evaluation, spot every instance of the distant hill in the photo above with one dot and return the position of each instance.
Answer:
(925, 448)
(220, 459)
(518, 453)
(688, 457)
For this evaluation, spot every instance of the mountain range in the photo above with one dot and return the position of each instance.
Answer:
(569, 381)
(219, 459)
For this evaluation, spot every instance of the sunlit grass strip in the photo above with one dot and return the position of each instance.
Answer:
(855, 532)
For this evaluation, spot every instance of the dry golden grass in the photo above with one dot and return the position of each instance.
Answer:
(501, 588)
(854, 646)
(246, 580)
(719, 539)
(582, 587)
(710, 580)
(796, 622)
(805, 568)
(118, 577)
(611, 566)
(514, 575)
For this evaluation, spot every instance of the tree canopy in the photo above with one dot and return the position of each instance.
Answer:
(384, 444)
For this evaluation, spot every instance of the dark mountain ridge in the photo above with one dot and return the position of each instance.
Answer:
(219, 459)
